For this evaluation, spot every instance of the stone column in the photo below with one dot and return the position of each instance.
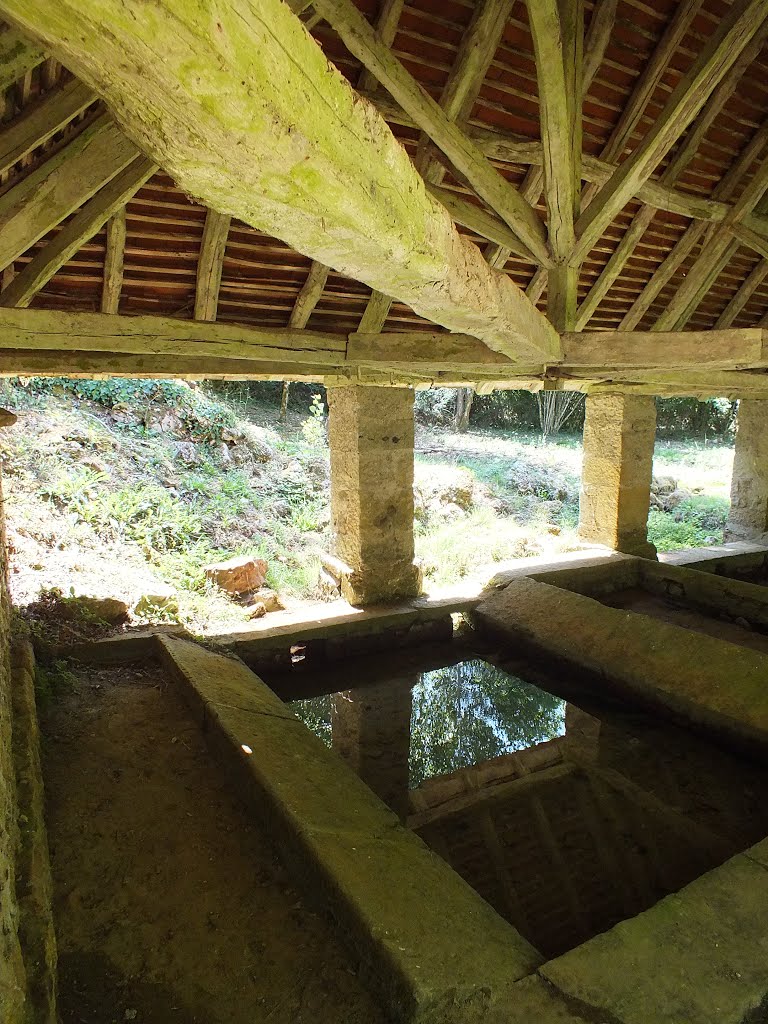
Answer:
(372, 731)
(619, 434)
(371, 439)
(748, 518)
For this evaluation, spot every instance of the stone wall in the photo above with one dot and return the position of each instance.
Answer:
(27, 939)
(12, 973)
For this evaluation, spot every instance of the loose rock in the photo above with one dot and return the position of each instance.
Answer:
(238, 575)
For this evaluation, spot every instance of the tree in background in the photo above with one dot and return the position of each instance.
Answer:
(555, 409)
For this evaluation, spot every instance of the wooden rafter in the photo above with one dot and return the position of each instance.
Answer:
(326, 176)
(114, 260)
(35, 126)
(210, 264)
(716, 253)
(679, 163)
(732, 35)
(478, 47)
(82, 227)
(597, 39)
(502, 197)
(695, 232)
(309, 296)
(743, 294)
(70, 178)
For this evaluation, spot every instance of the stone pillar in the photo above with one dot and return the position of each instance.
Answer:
(619, 434)
(372, 731)
(748, 518)
(371, 439)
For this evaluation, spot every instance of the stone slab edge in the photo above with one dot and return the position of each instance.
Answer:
(698, 679)
(697, 956)
(436, 952)
(33, 882)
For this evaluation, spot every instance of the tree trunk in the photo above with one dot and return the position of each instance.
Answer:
(464, 399)
(284, 401)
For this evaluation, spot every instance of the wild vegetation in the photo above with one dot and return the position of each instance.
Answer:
(130, 488)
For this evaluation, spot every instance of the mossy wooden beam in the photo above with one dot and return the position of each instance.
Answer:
(18, 55)
(502, 197)
(241, 107)
(376, 313)
(732, 35)
(210, 264)
(743, 294)
(597, 39)
(58, 187)
(83, 226)
(35, 126)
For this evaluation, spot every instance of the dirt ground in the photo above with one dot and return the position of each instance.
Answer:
(170, 906)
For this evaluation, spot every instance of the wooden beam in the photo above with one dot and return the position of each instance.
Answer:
(18, 55)
(62, 184)
(83, 226)
(210, 264)
(717, 252)
(680, 161)
(686, 245)
(309, 296)
(114, 259)
(35, 126)
(324, 173)
(732, 35)
(596, 42)
(743, 294)
(557, 29)
(513, 149)
(376, 313)
(423, 348)
(726, 349)
(502, 197)
(386, 27)
(478, 48)
(474, 217)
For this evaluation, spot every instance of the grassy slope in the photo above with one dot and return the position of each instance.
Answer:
(148, 481)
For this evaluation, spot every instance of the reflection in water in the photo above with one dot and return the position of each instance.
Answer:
(566, 818)
(468, 713)
(461, 715)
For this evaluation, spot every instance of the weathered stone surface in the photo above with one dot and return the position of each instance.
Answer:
(34, 884)
(371, 433)
(160, 598)
(696, 678)
(238, 575)
(257, 610)
(698, 956)
(619, 433)
(270, 599)
(438, 953)
(107, 609)
(748, 517)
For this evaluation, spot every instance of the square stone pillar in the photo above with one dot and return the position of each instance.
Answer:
(371, 434)
(619, 435)
(748, 518)
(372, 731)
